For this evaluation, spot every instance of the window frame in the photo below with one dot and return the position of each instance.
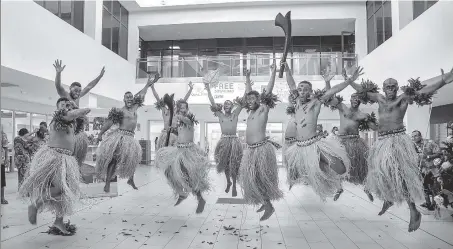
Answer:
(123, 24)
(73, 2)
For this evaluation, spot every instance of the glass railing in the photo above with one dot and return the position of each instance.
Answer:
(235, 65)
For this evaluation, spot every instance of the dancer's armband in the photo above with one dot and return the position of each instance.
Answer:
(367, 87)
(160, 104)
(216, 108)
(116, 115)
(290, 110)
(269, 99)
(80, 124)
(139, 100)
(240, 101)
(411, 90)
(364, 124)
(318, 94)
(60, 124)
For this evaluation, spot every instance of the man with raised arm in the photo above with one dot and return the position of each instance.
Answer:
(53, 183)
(291, 133)
(228, 151)
(258, 173)
(321, 160)
(186, 165)
(352, 120)
(119, 154)
(166, 117)
(393, 160)
(74, 95)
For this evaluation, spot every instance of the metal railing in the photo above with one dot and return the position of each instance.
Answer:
(259, 64)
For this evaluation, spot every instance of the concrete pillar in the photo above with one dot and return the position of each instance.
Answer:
(361, 41)
(133, 41)
(402, 14)
(93, 19)
(89, 101)
(417, 118)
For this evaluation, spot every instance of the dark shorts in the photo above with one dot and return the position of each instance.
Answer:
(3, 176)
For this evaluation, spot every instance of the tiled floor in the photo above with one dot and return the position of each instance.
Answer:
(146, 219)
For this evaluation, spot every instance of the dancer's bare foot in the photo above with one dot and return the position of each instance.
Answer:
(268, 211)
(261, 209)
(180, 199)
(60, 225)
(416, 219)
(107, 188)
(385, 207)
(234, 192)
(32, 214)
(227, 190)
(370, 196)
(201, 204)
(337, 194)
(132, 183)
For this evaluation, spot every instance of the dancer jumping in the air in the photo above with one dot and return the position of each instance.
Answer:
(320, 160)
(119, 153)
(228, 151)
(53, 183)
(75, 93)
(166, 117)
(352, 120)
(393, 160)
(185, 165)
(258, 173)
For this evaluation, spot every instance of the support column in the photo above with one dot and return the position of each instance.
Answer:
(418, 118)
(361, 41)
(93, 19)
(89, 101)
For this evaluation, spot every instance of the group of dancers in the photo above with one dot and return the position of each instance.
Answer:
(389, 169)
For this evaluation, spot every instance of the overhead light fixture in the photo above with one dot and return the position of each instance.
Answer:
(311, 28)
(174, 47)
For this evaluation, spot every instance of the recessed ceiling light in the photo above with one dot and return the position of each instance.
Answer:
(311, 28)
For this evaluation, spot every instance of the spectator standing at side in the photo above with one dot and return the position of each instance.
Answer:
(5, 162)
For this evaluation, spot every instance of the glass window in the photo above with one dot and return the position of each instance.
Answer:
(40, 3)
(116, 9)
(124, 16)
(229, 42)
(22, 121)
(371, 34)
(259, 42)
(108, 5)
(207, 43)
(421, 6)
(115, 35)
(306, 40)
(379, 26)
(78, 15)
(123, 42)
(106, 29)
(52, 6)
(185, 44)
(387, 20)
(66, 11)
(7, 125)
(369, 8)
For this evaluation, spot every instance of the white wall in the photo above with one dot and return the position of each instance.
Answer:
(33, 38)
(355, 10)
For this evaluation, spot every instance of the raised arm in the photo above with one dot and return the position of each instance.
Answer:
(338, 88)
(189, 92)
(150, 82)
(248, 82)
(77, 113)
(58, 69)
(444, 80)
(270, 85)
(289, 78)
(92, 84)
(327, 78)
(211, 99)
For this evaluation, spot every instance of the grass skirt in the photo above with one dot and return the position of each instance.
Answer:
(228, 155)
(120, 146)
(303, 163)
(81, 147)
(258, 174)
(393, 169)
(53, 167)
(357, 151)
(186, 168)
(163, 138)
(286, 145)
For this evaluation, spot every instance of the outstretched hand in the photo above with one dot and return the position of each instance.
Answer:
(273, 67)
(58, 66)
(328, 75)
(248, 73)
(447, 78)
(357, 72)
(153, 80)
